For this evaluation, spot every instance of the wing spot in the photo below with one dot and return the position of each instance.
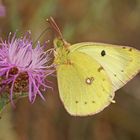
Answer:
(130, 49)
(76, 102)
(124, 47)
(89, 80)
(122, 70)
(85, 103)
(100, 68)
(93, 101)
(103, 53)
(115, 75)
(103, 79)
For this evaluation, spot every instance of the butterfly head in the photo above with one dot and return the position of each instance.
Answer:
(60, 45)
(62, 51)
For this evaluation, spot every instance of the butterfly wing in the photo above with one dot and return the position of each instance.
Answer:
(120, 62)
(84, 85)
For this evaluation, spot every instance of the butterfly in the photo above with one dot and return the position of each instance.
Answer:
(88, 73)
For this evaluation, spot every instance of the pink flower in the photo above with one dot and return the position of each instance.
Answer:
(23, 68)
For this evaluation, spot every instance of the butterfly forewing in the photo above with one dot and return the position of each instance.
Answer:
(84, 85)
(120, 62)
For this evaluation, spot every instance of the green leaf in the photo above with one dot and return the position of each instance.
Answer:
(4, 99)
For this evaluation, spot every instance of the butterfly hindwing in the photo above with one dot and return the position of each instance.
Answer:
(84, 86)
(120, 62)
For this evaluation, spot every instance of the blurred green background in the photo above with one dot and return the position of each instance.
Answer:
(108, 21)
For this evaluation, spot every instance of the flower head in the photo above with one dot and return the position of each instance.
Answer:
(22, 67)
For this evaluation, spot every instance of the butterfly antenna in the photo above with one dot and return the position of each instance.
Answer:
(55, 27)
(57, 30)
(43, 32)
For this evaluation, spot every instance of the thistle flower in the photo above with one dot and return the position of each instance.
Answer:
(23, 68)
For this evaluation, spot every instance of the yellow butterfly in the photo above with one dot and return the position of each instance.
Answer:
(89, 73)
